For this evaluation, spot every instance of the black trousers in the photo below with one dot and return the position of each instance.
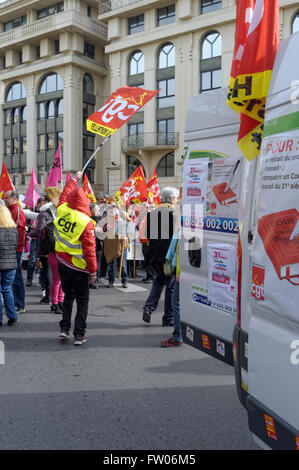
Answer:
(47, 274)
(75, 285)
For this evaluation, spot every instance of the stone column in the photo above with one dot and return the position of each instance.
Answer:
(72, 120)
(31, 130)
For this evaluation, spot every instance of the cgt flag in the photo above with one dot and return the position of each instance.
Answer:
(5, 182)
(134, 189)
(256, 43)
(119, 108)
(88, 189)
(153, 189)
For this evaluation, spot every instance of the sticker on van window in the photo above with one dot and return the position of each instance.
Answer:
(270, 427)
(220, 347)
(189, 333)
(206, 341)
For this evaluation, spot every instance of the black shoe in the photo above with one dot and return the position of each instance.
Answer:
(56, 309)
(0, 324)
(146, 317)
(167, 323)
(12, 321)
(93, 286)
(28, 283)
(45, 300)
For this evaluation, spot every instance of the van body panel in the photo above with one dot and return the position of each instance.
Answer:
(211, 131)
(273, 350)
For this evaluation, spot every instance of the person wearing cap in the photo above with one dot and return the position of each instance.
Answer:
(76, 254)
(11, 199)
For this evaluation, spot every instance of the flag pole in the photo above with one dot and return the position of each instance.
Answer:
(94, 153)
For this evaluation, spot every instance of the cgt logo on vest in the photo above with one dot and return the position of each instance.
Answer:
(67, 226)
(258, 279)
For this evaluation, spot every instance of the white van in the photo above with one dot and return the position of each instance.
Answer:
(263, 337)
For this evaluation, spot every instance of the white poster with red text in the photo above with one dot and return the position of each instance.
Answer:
(275, 255)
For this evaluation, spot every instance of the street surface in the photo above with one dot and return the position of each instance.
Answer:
(120, 390)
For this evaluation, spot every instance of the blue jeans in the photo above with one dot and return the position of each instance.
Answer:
(177, 332)
(159, 283)
(111, 269)
(32, 261)
(18, 285)
(6, 280)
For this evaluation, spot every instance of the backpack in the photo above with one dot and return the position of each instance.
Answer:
(47, 240)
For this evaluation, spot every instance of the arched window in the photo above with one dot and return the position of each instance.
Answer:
(166, 56)
(165, 166)
(295, 23)
(50, 111)
(132, 164)
(136, 63)
(52, 82)
(88, 84)
(14, 131)
(16, 92)
(210, 62)
(211, 46)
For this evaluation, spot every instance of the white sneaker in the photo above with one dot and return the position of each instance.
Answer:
(79, 340)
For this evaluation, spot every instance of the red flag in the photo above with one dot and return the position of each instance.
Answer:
(134, 189)
(88, 189)
(256, 43)
(153, 189)
(5, 182)
(119, 108)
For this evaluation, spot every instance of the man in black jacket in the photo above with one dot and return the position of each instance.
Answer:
(159, 231)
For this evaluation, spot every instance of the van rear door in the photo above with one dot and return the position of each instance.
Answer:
(273, 353)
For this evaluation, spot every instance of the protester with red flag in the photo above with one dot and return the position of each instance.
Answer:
(256, 43)
(88, 189)
(134, 189)
(153, 189)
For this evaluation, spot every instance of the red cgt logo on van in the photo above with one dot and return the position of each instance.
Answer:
(258, 279)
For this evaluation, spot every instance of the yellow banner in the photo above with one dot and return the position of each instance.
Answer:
(92, 126)
(251, 143)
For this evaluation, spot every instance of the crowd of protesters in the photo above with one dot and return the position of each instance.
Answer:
(75, 244)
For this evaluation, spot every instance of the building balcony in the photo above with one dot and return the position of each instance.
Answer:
(66, 21)
(150, 141)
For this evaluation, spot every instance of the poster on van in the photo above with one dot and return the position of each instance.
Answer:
(215, 183)
(222, 273)
(275, 260)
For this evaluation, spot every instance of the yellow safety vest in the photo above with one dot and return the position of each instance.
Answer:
(69, 226)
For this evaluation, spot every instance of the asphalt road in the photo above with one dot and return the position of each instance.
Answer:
(120, 390)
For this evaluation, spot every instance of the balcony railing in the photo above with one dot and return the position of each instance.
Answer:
(54, 22)
(150, 140)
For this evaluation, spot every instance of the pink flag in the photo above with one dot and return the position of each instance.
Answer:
(55, 174)
(31, 195)
(68, 177)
